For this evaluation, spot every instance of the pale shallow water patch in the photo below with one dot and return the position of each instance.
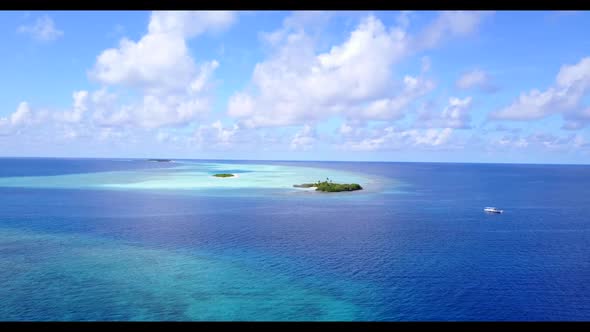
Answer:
(194, 176)
(91, 279)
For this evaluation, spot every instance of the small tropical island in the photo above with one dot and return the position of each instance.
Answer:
(161, 160)
(224, 175)
(329, 186)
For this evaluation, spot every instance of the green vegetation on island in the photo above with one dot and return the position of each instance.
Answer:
(329, 186)
(305, 185)
(160, 160)
(223, 175)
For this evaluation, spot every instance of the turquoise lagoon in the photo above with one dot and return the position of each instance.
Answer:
(194, 176)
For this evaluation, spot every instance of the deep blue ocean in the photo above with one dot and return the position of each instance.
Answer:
(417, 248)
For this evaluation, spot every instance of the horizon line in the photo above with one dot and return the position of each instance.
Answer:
(302, 160)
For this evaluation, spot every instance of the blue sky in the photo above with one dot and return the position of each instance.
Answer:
(384, 85)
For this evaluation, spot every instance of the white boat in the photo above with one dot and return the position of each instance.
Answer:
(492, 210)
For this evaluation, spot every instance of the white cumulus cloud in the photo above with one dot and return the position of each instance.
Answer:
(160, 61)
(455, 115)
(43, 29)
(161, 67)
(542, 140)
(564, 97)
(216, 135)
(304, 139)
(450, 24)
(478, 79)
(391, 138)
(297, 84)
